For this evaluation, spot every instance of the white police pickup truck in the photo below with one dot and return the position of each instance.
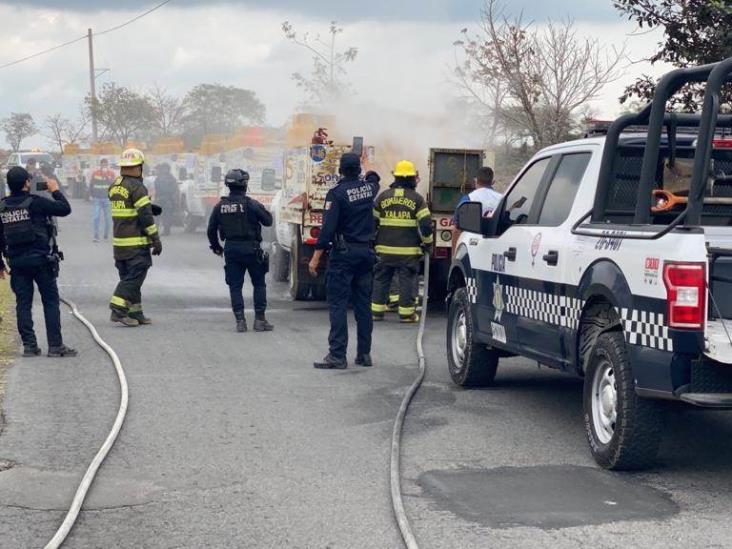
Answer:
(610, 258)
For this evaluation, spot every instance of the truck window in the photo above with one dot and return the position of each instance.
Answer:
(520, 199)
(563, 189)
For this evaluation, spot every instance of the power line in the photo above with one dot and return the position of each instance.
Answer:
(148, 12)
(106, 31)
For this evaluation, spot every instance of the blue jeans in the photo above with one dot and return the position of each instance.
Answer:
(349, 278)
(101, 211)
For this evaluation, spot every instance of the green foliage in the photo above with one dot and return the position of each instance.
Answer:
(122, 114)
(17, 127)
(215, 108)
(696, 32)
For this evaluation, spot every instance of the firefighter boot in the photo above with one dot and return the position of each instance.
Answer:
(61, 351)
(142, 320)
(409, 319)
(331, 363)
(241, 322)
(123, 319)
(261, 324)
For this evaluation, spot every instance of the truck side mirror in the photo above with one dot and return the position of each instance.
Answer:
(469, 217)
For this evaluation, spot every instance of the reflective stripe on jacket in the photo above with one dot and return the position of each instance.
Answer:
(404, 222)
(132, 217)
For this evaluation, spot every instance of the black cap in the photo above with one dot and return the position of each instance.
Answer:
(350, 162)
(17, 176)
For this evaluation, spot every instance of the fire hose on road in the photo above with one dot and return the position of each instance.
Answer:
(91, 471)
(405, 528)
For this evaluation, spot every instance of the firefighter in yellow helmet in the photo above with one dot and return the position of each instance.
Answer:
(135, 234)
(404, 230)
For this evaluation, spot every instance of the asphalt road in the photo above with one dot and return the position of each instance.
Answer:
(233, 440)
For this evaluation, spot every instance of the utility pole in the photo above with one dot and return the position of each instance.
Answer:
(93, 87)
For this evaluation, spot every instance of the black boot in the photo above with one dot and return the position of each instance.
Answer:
(241, 322)
(261, 324)
(331, 363)
(61, 351)
(364, 360)
(142, 320)
(31, 350)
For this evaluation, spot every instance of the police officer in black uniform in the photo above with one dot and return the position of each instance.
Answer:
(238, 220)
(27, 241)
(348, 230)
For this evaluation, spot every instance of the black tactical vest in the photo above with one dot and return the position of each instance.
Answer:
(17, 223)
(235, 224)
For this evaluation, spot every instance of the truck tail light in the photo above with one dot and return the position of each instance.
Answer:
(314, 232)
(686, 294)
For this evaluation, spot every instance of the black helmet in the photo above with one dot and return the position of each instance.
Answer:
(237, 178)
(350, 165)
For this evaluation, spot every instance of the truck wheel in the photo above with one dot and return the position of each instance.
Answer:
(471, 364)
(319, 292)
(299, 285)
(623, 429)
(280, 263)
(439, 270)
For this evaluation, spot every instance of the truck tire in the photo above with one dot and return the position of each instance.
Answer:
(471, 364)
(299, 283)
(190, 223)
(439, 271)
(320, 292)
(623, 429)
(280, 262)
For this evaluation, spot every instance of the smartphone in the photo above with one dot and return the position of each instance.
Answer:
(357, 146)
(41, 185)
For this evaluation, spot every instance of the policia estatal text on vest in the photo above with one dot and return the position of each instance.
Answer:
(28, 242)
(135, 234)
(238, 220)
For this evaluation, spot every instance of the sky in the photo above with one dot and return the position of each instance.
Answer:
(406, 51)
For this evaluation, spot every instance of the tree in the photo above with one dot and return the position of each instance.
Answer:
(168, 111)
(695, 32)
(18, 127)
(327, 81)
(215, 108)
(121, 113)
(61, 131)
(531, 81)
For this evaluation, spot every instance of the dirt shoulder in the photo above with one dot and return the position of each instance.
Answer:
(8, 341)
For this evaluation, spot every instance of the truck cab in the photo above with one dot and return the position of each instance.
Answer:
(609, 258)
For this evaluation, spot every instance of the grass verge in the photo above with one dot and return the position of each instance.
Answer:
(8, 341)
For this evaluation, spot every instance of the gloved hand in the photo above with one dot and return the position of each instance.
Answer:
(156, 210)
(218, 251)
(426, 248)
(157, 246)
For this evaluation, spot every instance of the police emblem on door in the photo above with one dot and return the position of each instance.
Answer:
(498, 303)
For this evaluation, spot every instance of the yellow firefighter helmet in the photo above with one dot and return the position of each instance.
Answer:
(131, 158)
(405, 168)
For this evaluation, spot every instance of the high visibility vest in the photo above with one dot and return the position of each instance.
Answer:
(404, 222)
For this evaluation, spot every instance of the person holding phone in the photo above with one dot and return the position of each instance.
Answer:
(27, 242)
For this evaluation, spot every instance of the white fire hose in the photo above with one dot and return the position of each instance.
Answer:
(405, 528)
(91, 471)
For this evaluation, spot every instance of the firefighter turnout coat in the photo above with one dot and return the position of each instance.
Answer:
(134, 226)
(404, 223)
